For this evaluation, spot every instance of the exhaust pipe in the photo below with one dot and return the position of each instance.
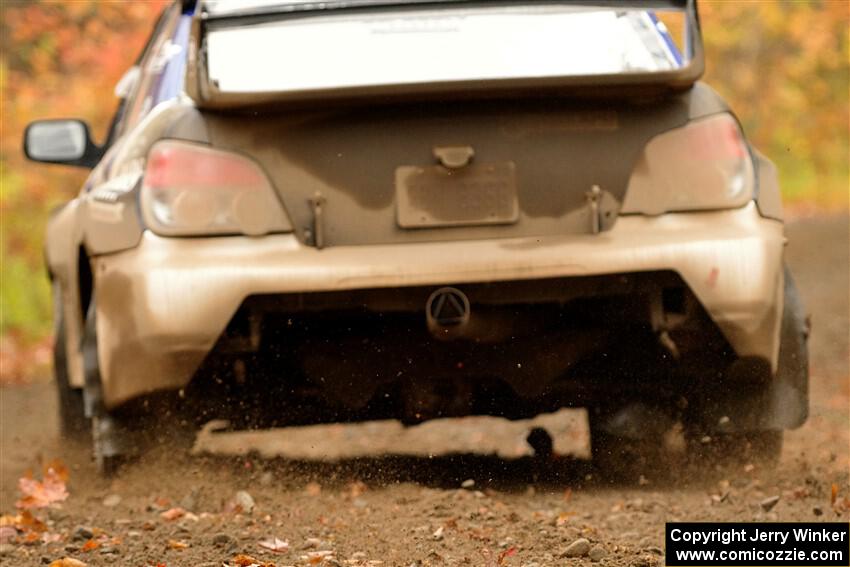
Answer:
(447, 312)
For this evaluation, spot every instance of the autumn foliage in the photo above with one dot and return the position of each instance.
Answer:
(782, 65)
(57, 60)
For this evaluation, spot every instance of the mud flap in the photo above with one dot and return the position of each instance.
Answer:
(750, 399)
(789, 394)
(111, 439)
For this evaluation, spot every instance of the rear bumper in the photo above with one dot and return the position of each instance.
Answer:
(162, 305)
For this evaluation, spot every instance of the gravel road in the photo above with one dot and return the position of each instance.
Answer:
(455, 492)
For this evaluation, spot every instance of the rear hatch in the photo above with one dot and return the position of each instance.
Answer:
(547, 156)
(441, 121)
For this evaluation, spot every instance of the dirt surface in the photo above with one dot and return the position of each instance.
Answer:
(458, 492)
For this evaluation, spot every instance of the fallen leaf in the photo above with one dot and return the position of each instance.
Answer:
(50, 538)
(274, 544)
(25, 521)
(834, 495)
(316, 557)
(90, 545)
(40, 494)
(505, 554)
(173, 514)
(68, 562)
(57, 469)
(247, 561)
(7, 533)
(176, 544)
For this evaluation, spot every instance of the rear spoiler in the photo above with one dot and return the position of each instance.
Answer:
(206, 94)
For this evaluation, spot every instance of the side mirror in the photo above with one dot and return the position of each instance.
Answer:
(61, 141)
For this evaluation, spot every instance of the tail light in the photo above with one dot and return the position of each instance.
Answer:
(190, 189)
(703, 165)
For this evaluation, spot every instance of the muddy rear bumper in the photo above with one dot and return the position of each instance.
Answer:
(163, 305)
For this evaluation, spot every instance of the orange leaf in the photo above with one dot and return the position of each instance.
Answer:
(248, 561)
(505, 554)
(173, 514)
(90, 545)
(67, 562)
(57, 469)
(176, 544)
(44, 493)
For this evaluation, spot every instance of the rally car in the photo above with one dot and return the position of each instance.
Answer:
(412, 209)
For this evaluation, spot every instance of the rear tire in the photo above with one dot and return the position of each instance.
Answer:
(73, 423)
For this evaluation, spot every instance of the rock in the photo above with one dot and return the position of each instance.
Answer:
(312, 543)
(107, 550)
(438, 534)
(468, 483)
(578, 548)
(358, 555)
(82, 533)
(267, 478)
(768, 503)
(57, 514)
(655, 550)
(644, 561)
(597, 552)
(245, 501)
(223, 540)
(112, 501)
(190, 501)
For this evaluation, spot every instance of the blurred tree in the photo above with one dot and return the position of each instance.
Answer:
(783, 66)
(57, 59)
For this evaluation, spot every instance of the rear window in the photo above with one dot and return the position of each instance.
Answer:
(436, 45)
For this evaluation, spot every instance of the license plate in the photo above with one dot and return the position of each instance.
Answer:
(477, 194)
